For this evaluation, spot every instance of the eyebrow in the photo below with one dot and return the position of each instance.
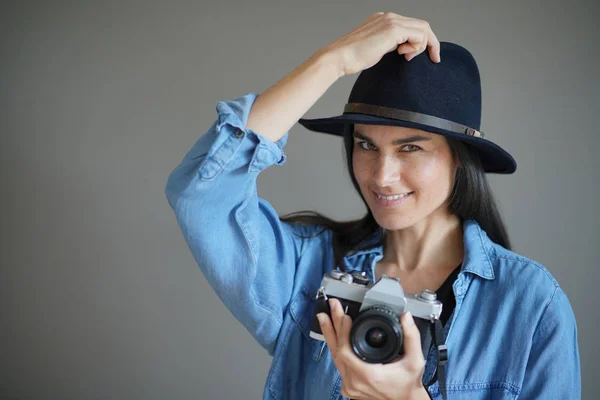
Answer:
(414, 138)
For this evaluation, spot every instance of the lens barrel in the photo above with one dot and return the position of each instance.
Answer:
(376, 335)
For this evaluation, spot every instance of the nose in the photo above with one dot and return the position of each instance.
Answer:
(387, 171)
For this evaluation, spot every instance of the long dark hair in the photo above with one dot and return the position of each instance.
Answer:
(470, 198)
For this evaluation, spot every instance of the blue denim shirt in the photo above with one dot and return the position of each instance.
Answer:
(512, 334)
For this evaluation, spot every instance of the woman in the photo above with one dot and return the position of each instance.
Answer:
(417, 159)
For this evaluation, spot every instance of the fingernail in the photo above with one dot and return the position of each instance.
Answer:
(331, 304)
(321, 318)
(409, 318)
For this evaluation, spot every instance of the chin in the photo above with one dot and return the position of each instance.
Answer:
(392, 222)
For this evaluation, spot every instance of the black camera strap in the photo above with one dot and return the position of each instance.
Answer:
(437, 332)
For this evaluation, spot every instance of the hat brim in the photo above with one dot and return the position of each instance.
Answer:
(494, 159)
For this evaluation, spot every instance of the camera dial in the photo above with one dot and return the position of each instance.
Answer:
(360, 278)
(336, 274)
(428, 295)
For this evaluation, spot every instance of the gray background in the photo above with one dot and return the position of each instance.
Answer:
(100, 297)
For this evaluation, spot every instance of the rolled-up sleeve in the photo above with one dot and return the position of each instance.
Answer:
(553, 368)
(245, 252)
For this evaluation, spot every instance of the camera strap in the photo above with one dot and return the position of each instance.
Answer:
(437, 333)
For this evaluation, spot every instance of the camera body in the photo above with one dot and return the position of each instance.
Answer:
(375, 308)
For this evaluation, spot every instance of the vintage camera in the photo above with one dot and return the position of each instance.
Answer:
(375, 309)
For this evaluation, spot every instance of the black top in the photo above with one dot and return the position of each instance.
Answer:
(445, 294)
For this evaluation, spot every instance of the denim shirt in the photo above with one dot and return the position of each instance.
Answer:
(512, 333)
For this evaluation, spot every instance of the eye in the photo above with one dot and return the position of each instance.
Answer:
(408, 148)
(366, 145)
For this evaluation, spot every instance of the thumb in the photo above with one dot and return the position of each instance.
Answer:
(412, 340)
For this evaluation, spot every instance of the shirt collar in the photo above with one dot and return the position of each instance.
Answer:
(477, 247)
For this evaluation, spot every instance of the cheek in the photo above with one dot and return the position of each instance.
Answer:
(432, 177)
(360, 168)
(429, 170)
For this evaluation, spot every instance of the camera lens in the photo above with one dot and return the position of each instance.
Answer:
(376, 335)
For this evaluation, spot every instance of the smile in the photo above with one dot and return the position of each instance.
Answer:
(393, 197)
(392, 200)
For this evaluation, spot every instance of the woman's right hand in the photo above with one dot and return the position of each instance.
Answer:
(378, 35)
(277, 109)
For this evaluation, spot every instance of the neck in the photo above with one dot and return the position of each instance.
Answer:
(431, 244)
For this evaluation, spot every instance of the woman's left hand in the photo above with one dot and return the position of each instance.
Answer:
(400, 379)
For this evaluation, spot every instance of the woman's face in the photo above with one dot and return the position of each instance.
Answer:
(412, 166)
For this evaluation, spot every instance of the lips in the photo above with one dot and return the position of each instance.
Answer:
(392, 199)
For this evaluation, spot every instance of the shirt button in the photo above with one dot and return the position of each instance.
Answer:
(239, 133)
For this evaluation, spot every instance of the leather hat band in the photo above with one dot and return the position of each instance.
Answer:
(410, 116)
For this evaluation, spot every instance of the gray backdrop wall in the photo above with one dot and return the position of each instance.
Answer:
(99, 295)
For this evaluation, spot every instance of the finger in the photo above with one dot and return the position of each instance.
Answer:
(343, 335)
(414, 48)
(337, 316)
(411, 40)
(343, 326)
(422, 48)
(328, 332)
(412, 342)
(430, 41)
(433, 45)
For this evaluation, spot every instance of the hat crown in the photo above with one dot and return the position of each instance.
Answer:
(450, 89)
(442, 98)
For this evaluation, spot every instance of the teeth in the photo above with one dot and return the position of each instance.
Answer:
(394, 197)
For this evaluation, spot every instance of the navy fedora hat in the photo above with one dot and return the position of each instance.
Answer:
(442, 98)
